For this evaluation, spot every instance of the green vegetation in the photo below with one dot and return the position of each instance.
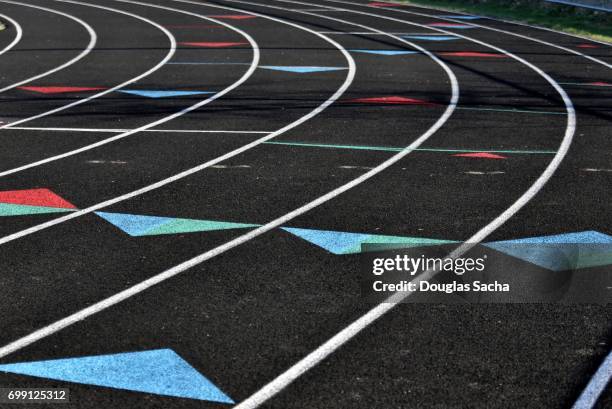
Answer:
(583, 22)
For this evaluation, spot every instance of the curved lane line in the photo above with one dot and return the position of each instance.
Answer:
(142, 286)
(323, 351)
(169, 55)
(597, 384)
(560, 47)
(93, 38)
(119, 297)
(240, 81)
(18, 34)
(504, 21)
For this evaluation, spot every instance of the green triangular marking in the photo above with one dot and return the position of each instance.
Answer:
(189, 225)
(8, 209)
(397, 242)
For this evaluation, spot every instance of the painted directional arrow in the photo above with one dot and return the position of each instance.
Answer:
(160, 372)
(141, 225)
(163, 93)
(300, 69)
(59, 89)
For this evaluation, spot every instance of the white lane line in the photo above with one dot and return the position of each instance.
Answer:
(597, 384)
(350, 76)
(108, 130)
(119, 297)
(18, 33)
(569, 50)
(93, 38)
(511, 22)
(322, 352)
(171, 51)
(160, 121)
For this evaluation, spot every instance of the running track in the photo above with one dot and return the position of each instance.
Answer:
(261, 113)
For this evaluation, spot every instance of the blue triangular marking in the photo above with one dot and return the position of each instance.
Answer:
(583, 237)
(333, 241)
(162, 94)
(556, 252)
(385, 52)
(134, 224)
(461, 17)
(160, 371)
(431, 38)
(300, 69)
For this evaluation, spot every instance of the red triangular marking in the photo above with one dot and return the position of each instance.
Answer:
(212, 44)
(380, 4)
(59, 90)
(233, 17)
(473, 54)
(35, 197)
(484, 155)
(601, 84)
(392, 100)
(587, 46)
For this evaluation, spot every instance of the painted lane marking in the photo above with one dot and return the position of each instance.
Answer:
(569, 50)
(597, 384)
(333, 98)
(167, 57)
(183, 111)
(322, 352)
(158, 371)
(397, 149)
(18, 33)
(107, 130)
(142, 286)
(93, 38)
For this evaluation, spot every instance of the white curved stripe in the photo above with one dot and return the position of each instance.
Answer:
(93, 38)
(597, 384)
(18, 34)
(472, 23)
(334, 97)
(240, 81)
(171, 51)
(508, 22)
(322, 352)
(117, 298)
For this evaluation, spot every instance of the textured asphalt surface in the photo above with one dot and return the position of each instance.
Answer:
(245, 316)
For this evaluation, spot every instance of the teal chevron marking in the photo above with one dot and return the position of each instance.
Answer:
(162, 94)
(176, 226)
(300, 69)
(561, 251)
(397, 149)
(160, 372)
(9, 209)
(133, 224)
(338, 242)
(141, 225)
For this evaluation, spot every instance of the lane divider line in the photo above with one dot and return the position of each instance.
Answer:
(167, 57)
(240, 81)
(93, 38)
(323, 351)
(18, 33)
